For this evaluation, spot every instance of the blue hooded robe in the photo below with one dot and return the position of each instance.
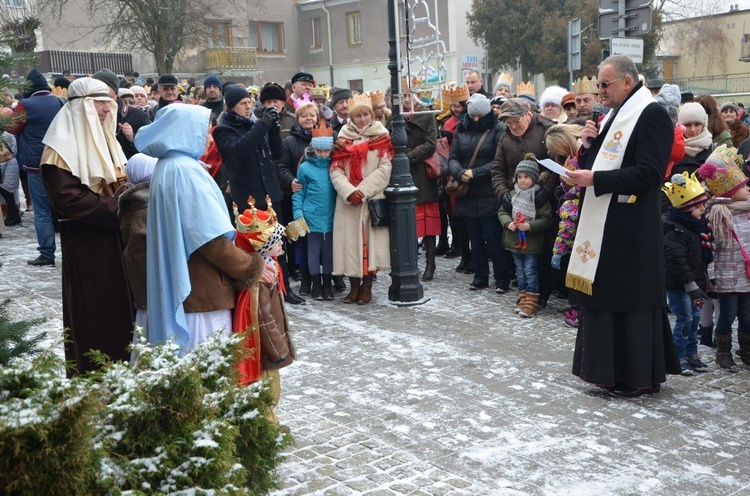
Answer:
(185, 211)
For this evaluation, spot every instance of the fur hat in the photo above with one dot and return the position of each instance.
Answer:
(730, 105)
(478, 105)
(529, 167)
(234, 95)
(272, 91)
(692, 112)
(210, 80)
(553, 94)
(340, 94)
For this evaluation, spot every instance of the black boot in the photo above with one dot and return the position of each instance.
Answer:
(724, 352)
(327, 287)
(707, 336)
(429, 246)
(338, 284)
(304, 287)
(317, 289)
(292, 298)
(744, 340)
(442, 246)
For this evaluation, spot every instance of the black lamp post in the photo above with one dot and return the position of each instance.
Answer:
(405, 288)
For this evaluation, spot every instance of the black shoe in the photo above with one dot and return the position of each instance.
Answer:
(13, 222)
(317, 287)
(305, 282)
(441, 249)
(41, 261)
(629, 392)
(327, 292)
(477, 285)
(338, 284)
(451, 253)
(293, 299)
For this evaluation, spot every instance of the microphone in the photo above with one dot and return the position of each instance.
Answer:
(598, 109)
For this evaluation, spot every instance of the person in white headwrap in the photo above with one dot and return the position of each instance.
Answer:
(82, 164)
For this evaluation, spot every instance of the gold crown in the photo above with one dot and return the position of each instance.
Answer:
(505, 77)
(454, 93)
(585, 85)
(254, 227)
(376, 97)
(359, 101)
(320, 90)
(684, 190)
(725, 156)
(526, 89)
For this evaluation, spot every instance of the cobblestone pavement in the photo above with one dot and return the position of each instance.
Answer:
(461, 396)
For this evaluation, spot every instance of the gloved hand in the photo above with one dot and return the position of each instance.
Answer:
(698, 297)
(556, 259)
(356, 198)
(269, 116)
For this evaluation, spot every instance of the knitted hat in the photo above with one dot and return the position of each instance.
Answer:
(529, 167)
(504, 79)
(258, 230)
(686, 96)
(478, 105)
(693, 112)
(322, 136)
(498, 100)
(685, 192)
(669, 95)
(210, 80)
(553, 94)
(272, 91)
(234, 95)
(139, 90)
(568, 99)
(729, 105)
(61, 82)
(722, 182)
(109, 78)
(340, 94)
(36, 82)
(125, 92)
(654, 84)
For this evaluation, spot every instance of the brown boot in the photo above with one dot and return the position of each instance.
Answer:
(520, 302)
(365, 294)
(354, 282)
(530, 305)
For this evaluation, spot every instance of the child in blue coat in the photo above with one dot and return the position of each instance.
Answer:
(316, 203)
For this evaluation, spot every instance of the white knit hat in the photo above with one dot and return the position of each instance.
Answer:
(478, 104)
(692, 112)
(553, 94)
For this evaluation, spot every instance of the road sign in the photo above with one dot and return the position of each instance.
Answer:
(637, 23)
(632, 47)
(574, 44)
(470, 63)
(605, 5)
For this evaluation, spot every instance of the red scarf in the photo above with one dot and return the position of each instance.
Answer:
(212, 157)
(356, 155)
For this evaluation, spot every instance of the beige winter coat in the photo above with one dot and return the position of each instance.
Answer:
(349, 220)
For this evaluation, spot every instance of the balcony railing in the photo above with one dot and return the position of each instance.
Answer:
(56, 61)
(715, 85)
(231, 58)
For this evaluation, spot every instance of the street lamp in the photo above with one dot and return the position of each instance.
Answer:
(406, 288)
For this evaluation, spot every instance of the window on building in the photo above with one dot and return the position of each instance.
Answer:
(219, 34)
(353, 28)
(267, 37)
(356, 85)
(316, 39)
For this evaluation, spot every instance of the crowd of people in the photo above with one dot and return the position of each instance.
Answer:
(224, 194)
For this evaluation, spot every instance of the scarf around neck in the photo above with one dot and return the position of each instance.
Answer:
(699, 226)
(523, 202)
(693, 146)
(353, 146)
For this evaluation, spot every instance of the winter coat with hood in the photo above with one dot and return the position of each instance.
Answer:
(293, 152)
(193, 264)
(511, 151)
(249, 149)
(481, 200)
(316, 201)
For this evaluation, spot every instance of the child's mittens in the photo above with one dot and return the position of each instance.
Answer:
(697, 296)
(556, 259)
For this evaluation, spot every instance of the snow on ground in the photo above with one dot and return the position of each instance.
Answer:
(461, 396)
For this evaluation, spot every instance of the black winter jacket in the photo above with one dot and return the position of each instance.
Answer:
(481, 200)
(248, 152)
(683, 257)
(134, 116)
(293, 150)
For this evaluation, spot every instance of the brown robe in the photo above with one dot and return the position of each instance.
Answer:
(97, 306)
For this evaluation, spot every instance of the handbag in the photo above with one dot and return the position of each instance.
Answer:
(380, 215)
(443, 152)
(744, 255)
(432, 166)
(459, 188)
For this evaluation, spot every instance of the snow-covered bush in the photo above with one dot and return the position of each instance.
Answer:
(162, 425)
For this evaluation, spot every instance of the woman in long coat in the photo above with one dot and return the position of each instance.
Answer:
(360, 172)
